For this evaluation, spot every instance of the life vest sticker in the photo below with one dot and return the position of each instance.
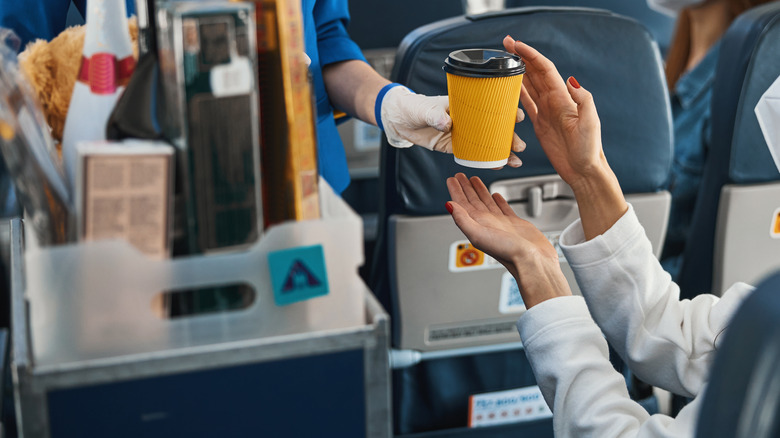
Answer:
(774, 231)
(298, 274)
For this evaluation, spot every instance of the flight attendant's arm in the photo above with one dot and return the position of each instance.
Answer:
(353, 87)
(356, 88)
(351, 83)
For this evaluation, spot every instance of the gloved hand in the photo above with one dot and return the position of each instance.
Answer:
(409, 118)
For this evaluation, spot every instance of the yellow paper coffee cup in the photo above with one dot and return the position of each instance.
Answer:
(484, 92)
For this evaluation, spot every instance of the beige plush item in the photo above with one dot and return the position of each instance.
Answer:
(52, 68)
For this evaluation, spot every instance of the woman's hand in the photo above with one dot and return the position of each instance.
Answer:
(563, 114)
(567, 126)
(490, 224)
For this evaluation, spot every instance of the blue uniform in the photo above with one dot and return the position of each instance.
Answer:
(41, 19)
(691, 113)
(327, 42)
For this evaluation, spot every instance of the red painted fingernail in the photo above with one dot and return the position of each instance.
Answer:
(574, 82)
(448, 206)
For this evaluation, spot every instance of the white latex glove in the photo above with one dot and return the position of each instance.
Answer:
(409, 118)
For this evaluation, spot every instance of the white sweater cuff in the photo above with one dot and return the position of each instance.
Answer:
(580, 252)
(552, 312)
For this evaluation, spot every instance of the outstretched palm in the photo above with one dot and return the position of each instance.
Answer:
(491, 225)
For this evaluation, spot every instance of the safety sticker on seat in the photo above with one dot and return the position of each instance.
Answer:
(464, 257)
(511, 301)
(775, 229)
(504, 407)
(554, 237)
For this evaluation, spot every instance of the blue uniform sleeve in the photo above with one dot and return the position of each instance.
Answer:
(44, 19)
(333, 43)
(34, 19)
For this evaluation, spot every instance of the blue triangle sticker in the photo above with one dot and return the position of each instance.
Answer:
(299, 277)
(298, 274)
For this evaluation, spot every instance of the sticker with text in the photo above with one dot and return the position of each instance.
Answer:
(367, 137)
(504, 407)
(554, 237)
(510, 300)
(232, 79)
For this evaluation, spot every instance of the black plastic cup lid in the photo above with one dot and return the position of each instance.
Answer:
(483, 63)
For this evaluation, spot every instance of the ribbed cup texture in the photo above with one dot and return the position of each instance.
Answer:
(483, 112)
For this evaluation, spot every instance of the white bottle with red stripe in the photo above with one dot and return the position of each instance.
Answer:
(106, 65)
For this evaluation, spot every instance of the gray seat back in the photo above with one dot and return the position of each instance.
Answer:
(434, 302)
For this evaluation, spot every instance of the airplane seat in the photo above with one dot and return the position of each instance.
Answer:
(735, 227)
(659, 24)
(442, 294)
(742, 399)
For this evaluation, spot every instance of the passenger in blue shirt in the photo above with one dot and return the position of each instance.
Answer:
(690, 71)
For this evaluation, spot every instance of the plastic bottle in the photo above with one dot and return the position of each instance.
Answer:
(106, 65)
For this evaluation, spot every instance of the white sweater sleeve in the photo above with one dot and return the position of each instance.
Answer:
(666, 342)
(588, 397)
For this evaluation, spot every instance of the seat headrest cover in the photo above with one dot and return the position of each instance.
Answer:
(748, 63)
(751, 161)
(659, 24)
(613, 57)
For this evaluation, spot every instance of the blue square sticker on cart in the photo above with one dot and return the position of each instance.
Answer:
(298, 274)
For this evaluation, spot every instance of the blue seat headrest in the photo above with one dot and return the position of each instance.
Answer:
(659, 24)
(748, 64)
(613, 57)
